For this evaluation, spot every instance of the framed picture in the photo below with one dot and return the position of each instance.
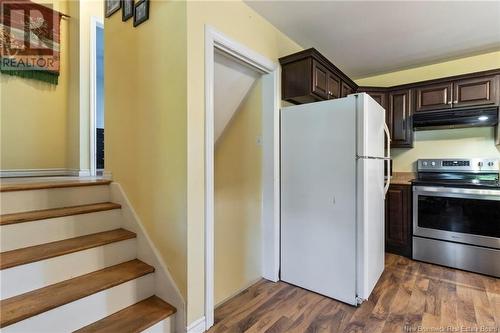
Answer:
(127, 9)
(111, 6)
(141, 12)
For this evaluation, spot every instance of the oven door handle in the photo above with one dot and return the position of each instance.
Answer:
(451, 192)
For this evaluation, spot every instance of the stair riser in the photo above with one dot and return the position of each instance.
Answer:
(85, 311)
(19, 235)
(21, 201)
(164, 326)
(24, 278)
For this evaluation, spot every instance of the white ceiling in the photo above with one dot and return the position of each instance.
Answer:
(232, 82)
(363, 38)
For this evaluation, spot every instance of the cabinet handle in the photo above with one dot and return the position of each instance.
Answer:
(455, 102)
(450, 102)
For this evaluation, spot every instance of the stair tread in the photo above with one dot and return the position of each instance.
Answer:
(56, 212)
(31, 254)
(26, 305)
(25, 186)
(135, 318)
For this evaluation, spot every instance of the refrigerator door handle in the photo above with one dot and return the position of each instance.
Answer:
(387, 159)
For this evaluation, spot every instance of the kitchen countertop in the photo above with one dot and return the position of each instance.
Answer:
(402, 178)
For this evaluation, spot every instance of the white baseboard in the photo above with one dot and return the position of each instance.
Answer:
(82, 173)
(107, 174)
(6, 173)
(197, 326)
(32, 172)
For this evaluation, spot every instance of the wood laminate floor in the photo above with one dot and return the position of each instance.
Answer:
(410, 297)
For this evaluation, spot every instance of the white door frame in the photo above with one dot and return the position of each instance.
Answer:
(270, 176)
(94, 23)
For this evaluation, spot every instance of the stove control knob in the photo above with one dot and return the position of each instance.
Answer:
(490, 164)
(480, 164)
(424, 163)
(433, 163)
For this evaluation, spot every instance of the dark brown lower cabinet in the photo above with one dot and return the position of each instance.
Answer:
(398, 220)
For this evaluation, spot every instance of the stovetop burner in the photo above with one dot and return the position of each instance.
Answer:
(476, 173)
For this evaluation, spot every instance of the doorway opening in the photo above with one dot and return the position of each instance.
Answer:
(242, 142)
(97, 97)
(238, 177)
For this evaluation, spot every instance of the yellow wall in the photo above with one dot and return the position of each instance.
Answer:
(33, 115)
(239, 22)
(145, 89)
(46, 126)
(469, 142)
(238, 199)
(465, 65)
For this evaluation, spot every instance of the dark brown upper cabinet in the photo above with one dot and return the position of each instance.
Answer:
(333, 84)
(476, 91)
(467, 92)
(346, 90)
(307, 76)
(436, 96)
(398, 118)
(461, 92)
(380, 96)
(320, 80)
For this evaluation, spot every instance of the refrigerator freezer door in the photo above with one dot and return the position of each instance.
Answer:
(371, 223)
(371, 123)
(318, 198)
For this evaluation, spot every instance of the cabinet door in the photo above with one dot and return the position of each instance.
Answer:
(399, 121)
(320, 76)
(433, 97)
(346, 90)
(477, 91)
(333, 84)
(379, 97)
(398, 226)
(296, 80)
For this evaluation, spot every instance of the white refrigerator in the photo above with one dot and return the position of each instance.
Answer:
(333, 186)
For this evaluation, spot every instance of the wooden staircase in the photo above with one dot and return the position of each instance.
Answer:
(66, 263)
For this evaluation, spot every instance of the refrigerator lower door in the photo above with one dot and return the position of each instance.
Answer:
(318, 198)
(370, 224)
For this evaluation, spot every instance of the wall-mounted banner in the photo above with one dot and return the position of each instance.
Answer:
(29, 37)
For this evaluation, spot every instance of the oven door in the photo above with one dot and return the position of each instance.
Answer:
(470, 216)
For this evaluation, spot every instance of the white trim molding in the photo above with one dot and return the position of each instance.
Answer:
(165, 286)
(82, 173)
(197, 326)
(216, 41)
(95, 22)
(107, 174)
(44, 172)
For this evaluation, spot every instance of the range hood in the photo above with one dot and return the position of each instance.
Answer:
(485, 116)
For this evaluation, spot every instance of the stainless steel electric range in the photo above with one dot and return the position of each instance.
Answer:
(456, 214)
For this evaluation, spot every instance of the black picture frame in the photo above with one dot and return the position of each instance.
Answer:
(111, 7)
(127, 9)
(141, 12)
